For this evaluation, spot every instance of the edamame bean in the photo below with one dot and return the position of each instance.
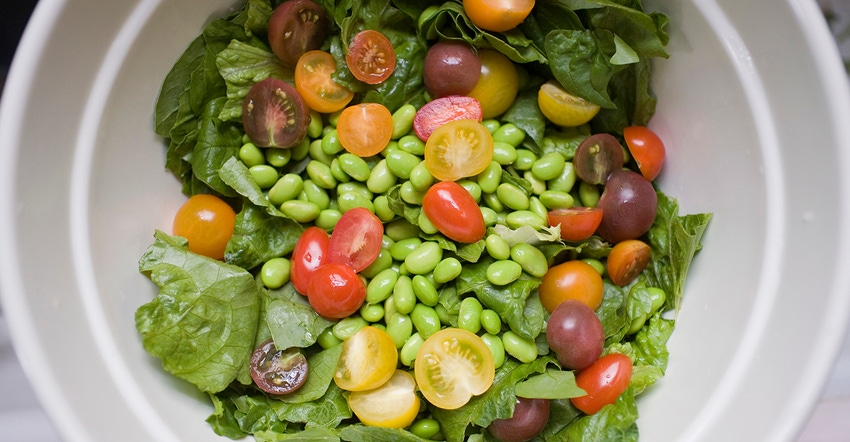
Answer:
(264, 175)
(425, 320)
(300, 150)
(492, 201)
(556, 199)
(420, 177)
(301, 211)
(317, 154)
(596, 264)
(517, 346)
(425, 428)
(497, 348)
(565, 181)
(331, 144)
(538, 186)
(503, 272)
(275, 272)
(497, 247)
(326, 339)
(469, 314)
(380, 179)
(530, 258)
(381, 286)
(401, 248)
(320, 173)
(509, 133)
(425, 224)
(354, 187)
(410, 195)
(316, 194)
(314, 129)
(588, 194)
(407, 354)
(447, 270)
(403, 120)
(445, 316)
(372, 312)
(337, 172)
(382, 208)
(401, 163)
(401, 229)
(524, 159)
(400, 328)
(328, 218)
(534, 205)
(512, 196)
(489, 215)
(491, 125)
(549, 166)
(251, 155)
(347, 327)
(278, 157)
(424, 258)
(472, 188)
(489, 179)
(351, 200)
(491, 322)
(355, 166)
(424, 290)
(521, 218)
(403, 297)
(412, 144)
(286, 188)
(504, 153)
(382, 262)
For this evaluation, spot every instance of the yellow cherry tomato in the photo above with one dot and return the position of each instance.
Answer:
(368, 360)
(458, 149)
(392, 405)
(498, 85)
(564, 108)
(453, 365)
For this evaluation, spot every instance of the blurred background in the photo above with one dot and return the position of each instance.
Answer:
(23, 420)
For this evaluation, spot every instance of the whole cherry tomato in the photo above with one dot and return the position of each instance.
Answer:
(453, 211)
(604, 381)
(335, 291)
(207, 222)
(309, 254)
(574, 279)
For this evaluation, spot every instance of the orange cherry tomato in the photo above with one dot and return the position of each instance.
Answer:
(453, 211)
(498, 84)
(370, 57)
(497, 15)
(577, 223)
(207, 222)
(458, 149)
(365, 129)
(574, 279)
(314, 82)
(604, 381)
(647, 149)
(627, 259)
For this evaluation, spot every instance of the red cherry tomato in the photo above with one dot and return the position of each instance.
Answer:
(454, 212)
(336, 291)
(577, 223)
(647, 149)
(356, 239)
(604, 381)
(440, 111)
(370, 57)
(310, 252)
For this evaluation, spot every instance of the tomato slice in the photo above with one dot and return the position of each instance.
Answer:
(604, 381)
(497, 15)
(365, 129)
(458, 149)
(577, 223)
(453, 365)
(647, 149)
(440, 111)
(274, 114)
(309, 254)
(627, 260)
(368, 360)
(574, 279)
(392, 405)
(314, 82)
(335, 291)
(453, 211)
(207, 222)
(564, 108)
(370, 57)
(356, 239)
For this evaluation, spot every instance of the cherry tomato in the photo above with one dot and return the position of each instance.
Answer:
(629, 205)
(313, 81)
(368, 360)
(295, 27)
(335, 291)
(626, 260)
(451, 68)
(274, 114)
(573, 279)
(498, 84)
(206, 221)
(310, 252)
(392, 405)
(458, 149)
(529, 419)
(577, 223)
(597, 157)
(453, 211)
(370, 57)
(356, 239)
(564, 108)
(453, 365)
(440, 111)
(647, 149)
(278, 371)
(497, 15)
(365, 129)
(575, 334)
(604, 381)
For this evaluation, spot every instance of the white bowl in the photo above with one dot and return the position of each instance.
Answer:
(754, 108)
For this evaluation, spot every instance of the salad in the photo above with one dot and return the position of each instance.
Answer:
(418, 220)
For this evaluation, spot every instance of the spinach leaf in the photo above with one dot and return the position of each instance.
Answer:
(237, 415)
(551, 384)
(613, 423)
(291, 320)
(322, 367)
(218, 141)
(363, 433)
(241, 65)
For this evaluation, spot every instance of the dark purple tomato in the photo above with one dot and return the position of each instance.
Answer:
(629, 205)
(596, 157)
(529, 418)
(296, 27)
(278, 371)
(575, 334)
(451, 68)
(274, 114)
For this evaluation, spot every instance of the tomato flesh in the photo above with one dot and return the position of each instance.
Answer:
(573, 279)
(392, 405)
(458, 149)
(440, 111)
(452, 366)
(368, 360)
(577, 223)
(335, 291)
(453, 211)
(356, 239)
(604, 381)
(314, 82)
(365, 129)
(274, 114)
(371, 57)
(207, 222)
(309, 254)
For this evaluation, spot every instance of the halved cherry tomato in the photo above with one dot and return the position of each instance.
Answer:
(453, 211)
(453, 365)
(573, 279)
(207, 222)
(627, 259)
(392, 405)
(604, 381)
(440, 111)
(597, 157)
(458, 149)
(498, 84)
(314, 82)
(278, 371)
(365, 129)
(335, 291)
(368, 360)
(564, 108)
(356, 239)
(497, 15)
(370, 57)
(274, 114)
(647, 149)
(309, 254)
(577, 223)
